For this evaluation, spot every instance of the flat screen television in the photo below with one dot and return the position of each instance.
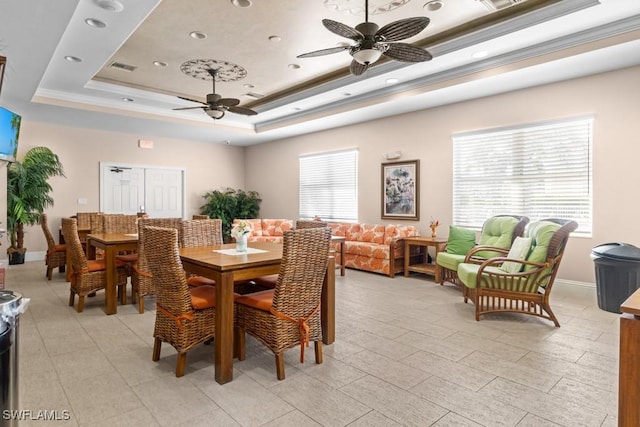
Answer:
(9, 133)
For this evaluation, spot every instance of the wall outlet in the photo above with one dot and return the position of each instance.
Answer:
(82, 201)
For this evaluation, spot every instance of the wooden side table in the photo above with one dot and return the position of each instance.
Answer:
(629, 372)
(424, 267)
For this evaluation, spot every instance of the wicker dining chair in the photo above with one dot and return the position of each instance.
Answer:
(141, 282)
(185, 316)
(200, 232)
(307, 223)
(88, 276)
(198, 216)
(56, 256)
(289, 315)
(525, 286)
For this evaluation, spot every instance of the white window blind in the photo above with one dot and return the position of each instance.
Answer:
(540, 171)
(329, 185)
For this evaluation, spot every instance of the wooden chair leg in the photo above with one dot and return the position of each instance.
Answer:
(134, 295)
(72, 298)
(141, 304)
(156, 349)
(318, 349)
(80, 303)
(280, 366)
(180, 364)
(49, 273)
(122, 293)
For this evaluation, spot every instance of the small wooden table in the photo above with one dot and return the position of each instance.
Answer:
(423, 267)
(629, 371)
(225, 269)
(340, 240)
(112, 244)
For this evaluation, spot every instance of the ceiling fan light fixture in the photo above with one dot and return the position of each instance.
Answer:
(241, 3)
(366, 56)
(215, 114)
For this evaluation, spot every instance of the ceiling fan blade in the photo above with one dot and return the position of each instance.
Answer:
(342, 29)
(228, 102)
(321, 52)
(407, 53)
(357, 68)
(187, 108)
(402, 29)
(192, 100)
(242, 110)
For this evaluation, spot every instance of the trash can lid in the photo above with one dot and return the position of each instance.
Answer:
(9, 297)
(620, 251)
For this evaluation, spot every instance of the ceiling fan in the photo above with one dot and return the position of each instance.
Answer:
(216, 106)
(372, 41)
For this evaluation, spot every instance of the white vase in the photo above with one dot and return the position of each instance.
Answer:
(241, 243)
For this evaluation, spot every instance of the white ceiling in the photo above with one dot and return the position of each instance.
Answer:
(554, 40)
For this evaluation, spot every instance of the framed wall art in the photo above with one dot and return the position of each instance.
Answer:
(401, 190)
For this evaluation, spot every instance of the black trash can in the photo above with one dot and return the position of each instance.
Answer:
(11, 305)
(617, 273)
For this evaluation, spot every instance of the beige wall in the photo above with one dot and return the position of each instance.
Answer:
(208, 167)
(614, 99)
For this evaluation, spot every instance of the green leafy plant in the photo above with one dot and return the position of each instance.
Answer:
(29, 192)
(230, 204)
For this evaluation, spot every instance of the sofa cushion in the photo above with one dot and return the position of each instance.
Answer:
(392, 232)
(460, 241)
(353, 232)
(371, 250)
(449, 261)
(540, 233)
(467, 273)
(338, 228)
(276, 227)
(519, 250)
(372, 233)
(255, 223)
(498, 232)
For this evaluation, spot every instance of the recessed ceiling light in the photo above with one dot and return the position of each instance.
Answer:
(433, 5)
(127, 99)
(293, 66)
(479, 54)
(248, 86)
(275, 38)
(110, 5)
(198, 35)
(72, 58)
(160, 63)
(392, 81)
(96, 23)
(347, 94)
(226, 141)
(241, 3)
(297, 108)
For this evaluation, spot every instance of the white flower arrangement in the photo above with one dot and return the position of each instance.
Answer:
(241, 228)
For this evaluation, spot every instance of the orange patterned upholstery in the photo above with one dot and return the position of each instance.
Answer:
(267, 230)
(373, 247)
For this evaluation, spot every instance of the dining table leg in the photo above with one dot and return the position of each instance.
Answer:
(110, 270)
(328, 303)
(224, 328)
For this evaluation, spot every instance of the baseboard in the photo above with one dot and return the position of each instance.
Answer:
(575, 283)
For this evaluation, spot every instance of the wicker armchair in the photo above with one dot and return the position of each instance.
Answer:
(526, 290)
(289, 315)
(141, 281)
(185, 317)
(497, 233)
(200, 232)
(88, 276)
(56, 256)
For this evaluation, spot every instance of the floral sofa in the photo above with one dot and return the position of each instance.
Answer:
(373, 247)
(267, 230)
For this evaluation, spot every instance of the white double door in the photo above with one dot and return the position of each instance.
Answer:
(129, 188)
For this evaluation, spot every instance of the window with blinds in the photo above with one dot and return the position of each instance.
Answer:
(329, 185)
(539, 170)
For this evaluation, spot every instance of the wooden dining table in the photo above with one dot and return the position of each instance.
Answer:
(224, 268)
(112, 244)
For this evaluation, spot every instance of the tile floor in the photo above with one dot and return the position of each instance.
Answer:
(408, 352)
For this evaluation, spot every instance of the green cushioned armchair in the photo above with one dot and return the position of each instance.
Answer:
(497, 234)
(524, 287)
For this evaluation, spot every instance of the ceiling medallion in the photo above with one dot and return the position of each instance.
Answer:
(376, 7)
(225, 71)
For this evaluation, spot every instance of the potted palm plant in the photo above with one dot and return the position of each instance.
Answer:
(28, 195)
(230, 204)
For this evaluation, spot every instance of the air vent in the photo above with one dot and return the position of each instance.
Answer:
(494, 5)
(253, 95)
(122, 66)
